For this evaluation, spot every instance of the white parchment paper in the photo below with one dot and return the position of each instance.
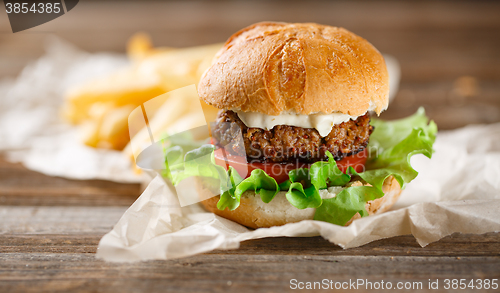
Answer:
(458, 190)
(31, 130)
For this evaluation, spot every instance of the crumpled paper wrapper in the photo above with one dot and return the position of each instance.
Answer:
(31, 130)
(458, 190)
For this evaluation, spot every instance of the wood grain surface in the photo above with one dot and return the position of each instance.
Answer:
(50, 227)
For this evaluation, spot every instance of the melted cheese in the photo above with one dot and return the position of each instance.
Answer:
(323, 123)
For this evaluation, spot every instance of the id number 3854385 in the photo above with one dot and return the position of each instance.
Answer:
(34, 8)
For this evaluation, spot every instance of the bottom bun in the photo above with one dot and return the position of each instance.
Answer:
(254, 213)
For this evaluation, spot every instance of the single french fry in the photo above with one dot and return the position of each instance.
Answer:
(89, 133)
(89, 130)
(114, 132)
(140, 46)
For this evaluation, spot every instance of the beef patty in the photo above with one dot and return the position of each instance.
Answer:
(284, 144)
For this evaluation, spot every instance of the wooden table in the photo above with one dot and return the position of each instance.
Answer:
(50, 227)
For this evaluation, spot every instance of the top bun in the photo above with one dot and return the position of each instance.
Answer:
(275, 68)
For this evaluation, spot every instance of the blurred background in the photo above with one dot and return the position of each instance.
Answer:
(448, 50)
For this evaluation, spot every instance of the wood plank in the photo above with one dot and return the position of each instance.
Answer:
(446, 104)
(214, 273)
(50, 243)
(20, 186)
(65, 262)
(456, 245)
(67, 220)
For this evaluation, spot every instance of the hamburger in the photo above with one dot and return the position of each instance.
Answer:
(301, 97)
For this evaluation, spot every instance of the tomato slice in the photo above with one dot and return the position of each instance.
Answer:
(280, 171)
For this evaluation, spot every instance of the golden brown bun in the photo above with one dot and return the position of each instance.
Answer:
(300, 68)
(254, 213)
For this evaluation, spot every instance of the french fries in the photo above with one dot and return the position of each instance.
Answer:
(128, 86)
(101, 107)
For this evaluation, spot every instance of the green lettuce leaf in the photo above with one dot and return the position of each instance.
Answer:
(350, 201)
(387, 134)
(261, 183)
(394, 142)
(229, 198)
(199, 162)
(325, 174)
(303, 198)
(285, 185)
(258, 181)
(301, 192)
